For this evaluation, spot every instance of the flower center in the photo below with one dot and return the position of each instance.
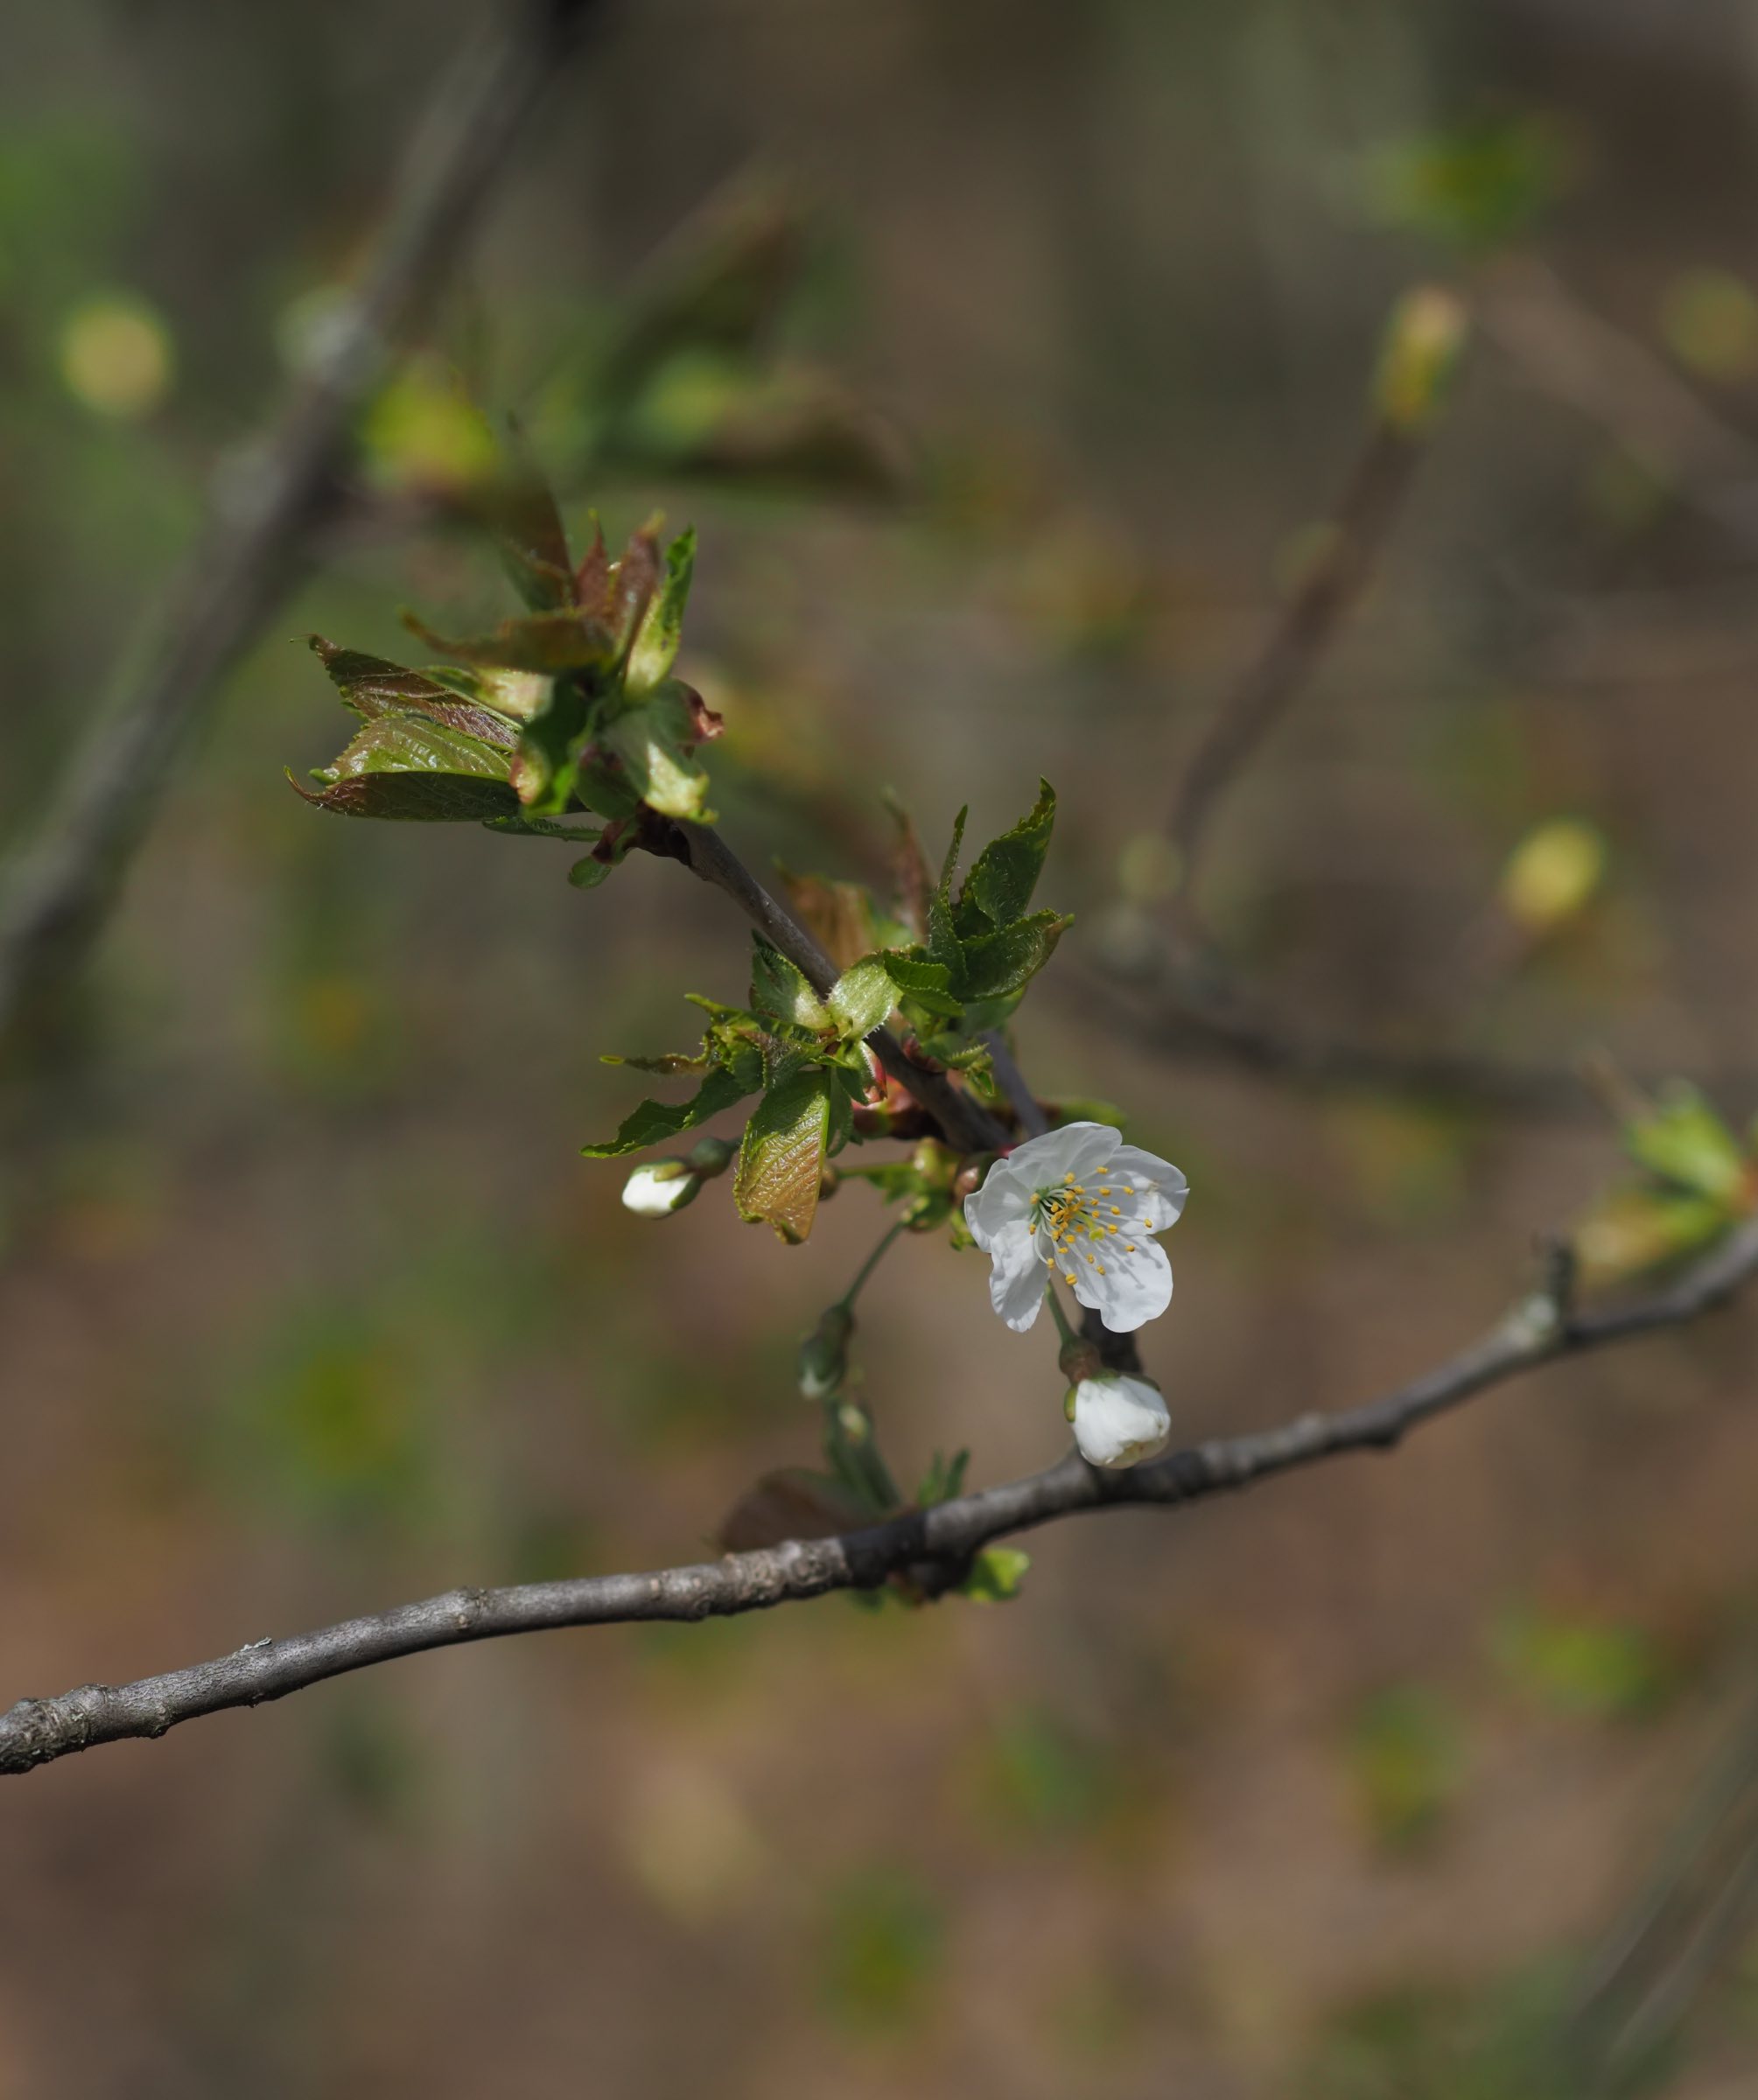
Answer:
(1079, 1221)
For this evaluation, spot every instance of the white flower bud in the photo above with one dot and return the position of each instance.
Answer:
(1119, 1421)
(656, 1191)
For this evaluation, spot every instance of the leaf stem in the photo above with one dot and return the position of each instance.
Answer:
(869, 1266)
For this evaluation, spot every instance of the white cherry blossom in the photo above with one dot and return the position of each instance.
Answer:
(1119, 1421)
(1079, 1204)
(656, 1191)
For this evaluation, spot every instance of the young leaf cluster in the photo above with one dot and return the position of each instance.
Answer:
(1693, 1179)
(568, 710)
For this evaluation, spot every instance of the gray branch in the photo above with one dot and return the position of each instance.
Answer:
(932, 1545)
(266, 511)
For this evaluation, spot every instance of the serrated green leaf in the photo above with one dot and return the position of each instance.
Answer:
(781, 1158)
(404, 766)
(374, 687)
(999, 965)
(778, 988)
(861, 999)
(653, 740)
(546, 771)
(1004, 874)
(996, 1575)
(927, 985)
(655, 1121)
(654, 648)
(668, 1060)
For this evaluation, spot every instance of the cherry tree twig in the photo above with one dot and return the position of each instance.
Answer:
(268, 510)
(935, 1542)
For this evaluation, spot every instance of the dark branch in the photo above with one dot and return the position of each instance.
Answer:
(266, 516)
(1536, 1331)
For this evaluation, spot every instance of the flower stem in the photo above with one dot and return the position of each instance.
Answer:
(1067, 1332)
(869, 1266)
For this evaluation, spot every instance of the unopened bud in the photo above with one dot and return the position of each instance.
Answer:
(825, 1352)
(710, 1157)
(1423, 341)
(656, 1191)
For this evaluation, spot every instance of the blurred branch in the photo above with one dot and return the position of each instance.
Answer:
(1195, 1014)
(267, 509)
(1591, 366)
(1655, 1961)
(932, 1544)
(1423, 342)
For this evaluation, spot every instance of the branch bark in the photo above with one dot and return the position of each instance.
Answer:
(260, 534)
(1538, 1331)
(963, 1119)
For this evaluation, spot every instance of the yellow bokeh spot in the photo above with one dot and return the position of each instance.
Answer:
(1552, 873)
(117, 356)
(1710, 320)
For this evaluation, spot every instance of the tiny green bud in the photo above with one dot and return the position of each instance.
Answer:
(1424, 342)
(1069, 1399)
(710, 1157)
(825, 1354)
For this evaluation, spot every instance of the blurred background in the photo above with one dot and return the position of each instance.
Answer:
(1005, 356)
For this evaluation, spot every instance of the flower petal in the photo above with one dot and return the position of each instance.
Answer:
(1134, 1289)
(1003, 1200)
(1075, 1149)
(1016, 1280)
(1160, 1188)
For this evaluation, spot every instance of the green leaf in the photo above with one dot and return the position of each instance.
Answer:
(780, 989)
(655, 1121)
(927, 985)
(861, 999)
(374, 687)
(1686, 1143)
(1004, 874)
(526, 826)
(567, 640)
(653, 740)
(401, 767)
(996, 965)
(654, 649)
(781, 1160)
(996, 1575)
(668, 1060)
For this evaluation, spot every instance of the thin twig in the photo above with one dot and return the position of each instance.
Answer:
(36, 1730)
(1195, 1016)
(266, 513)
(1330, 585)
